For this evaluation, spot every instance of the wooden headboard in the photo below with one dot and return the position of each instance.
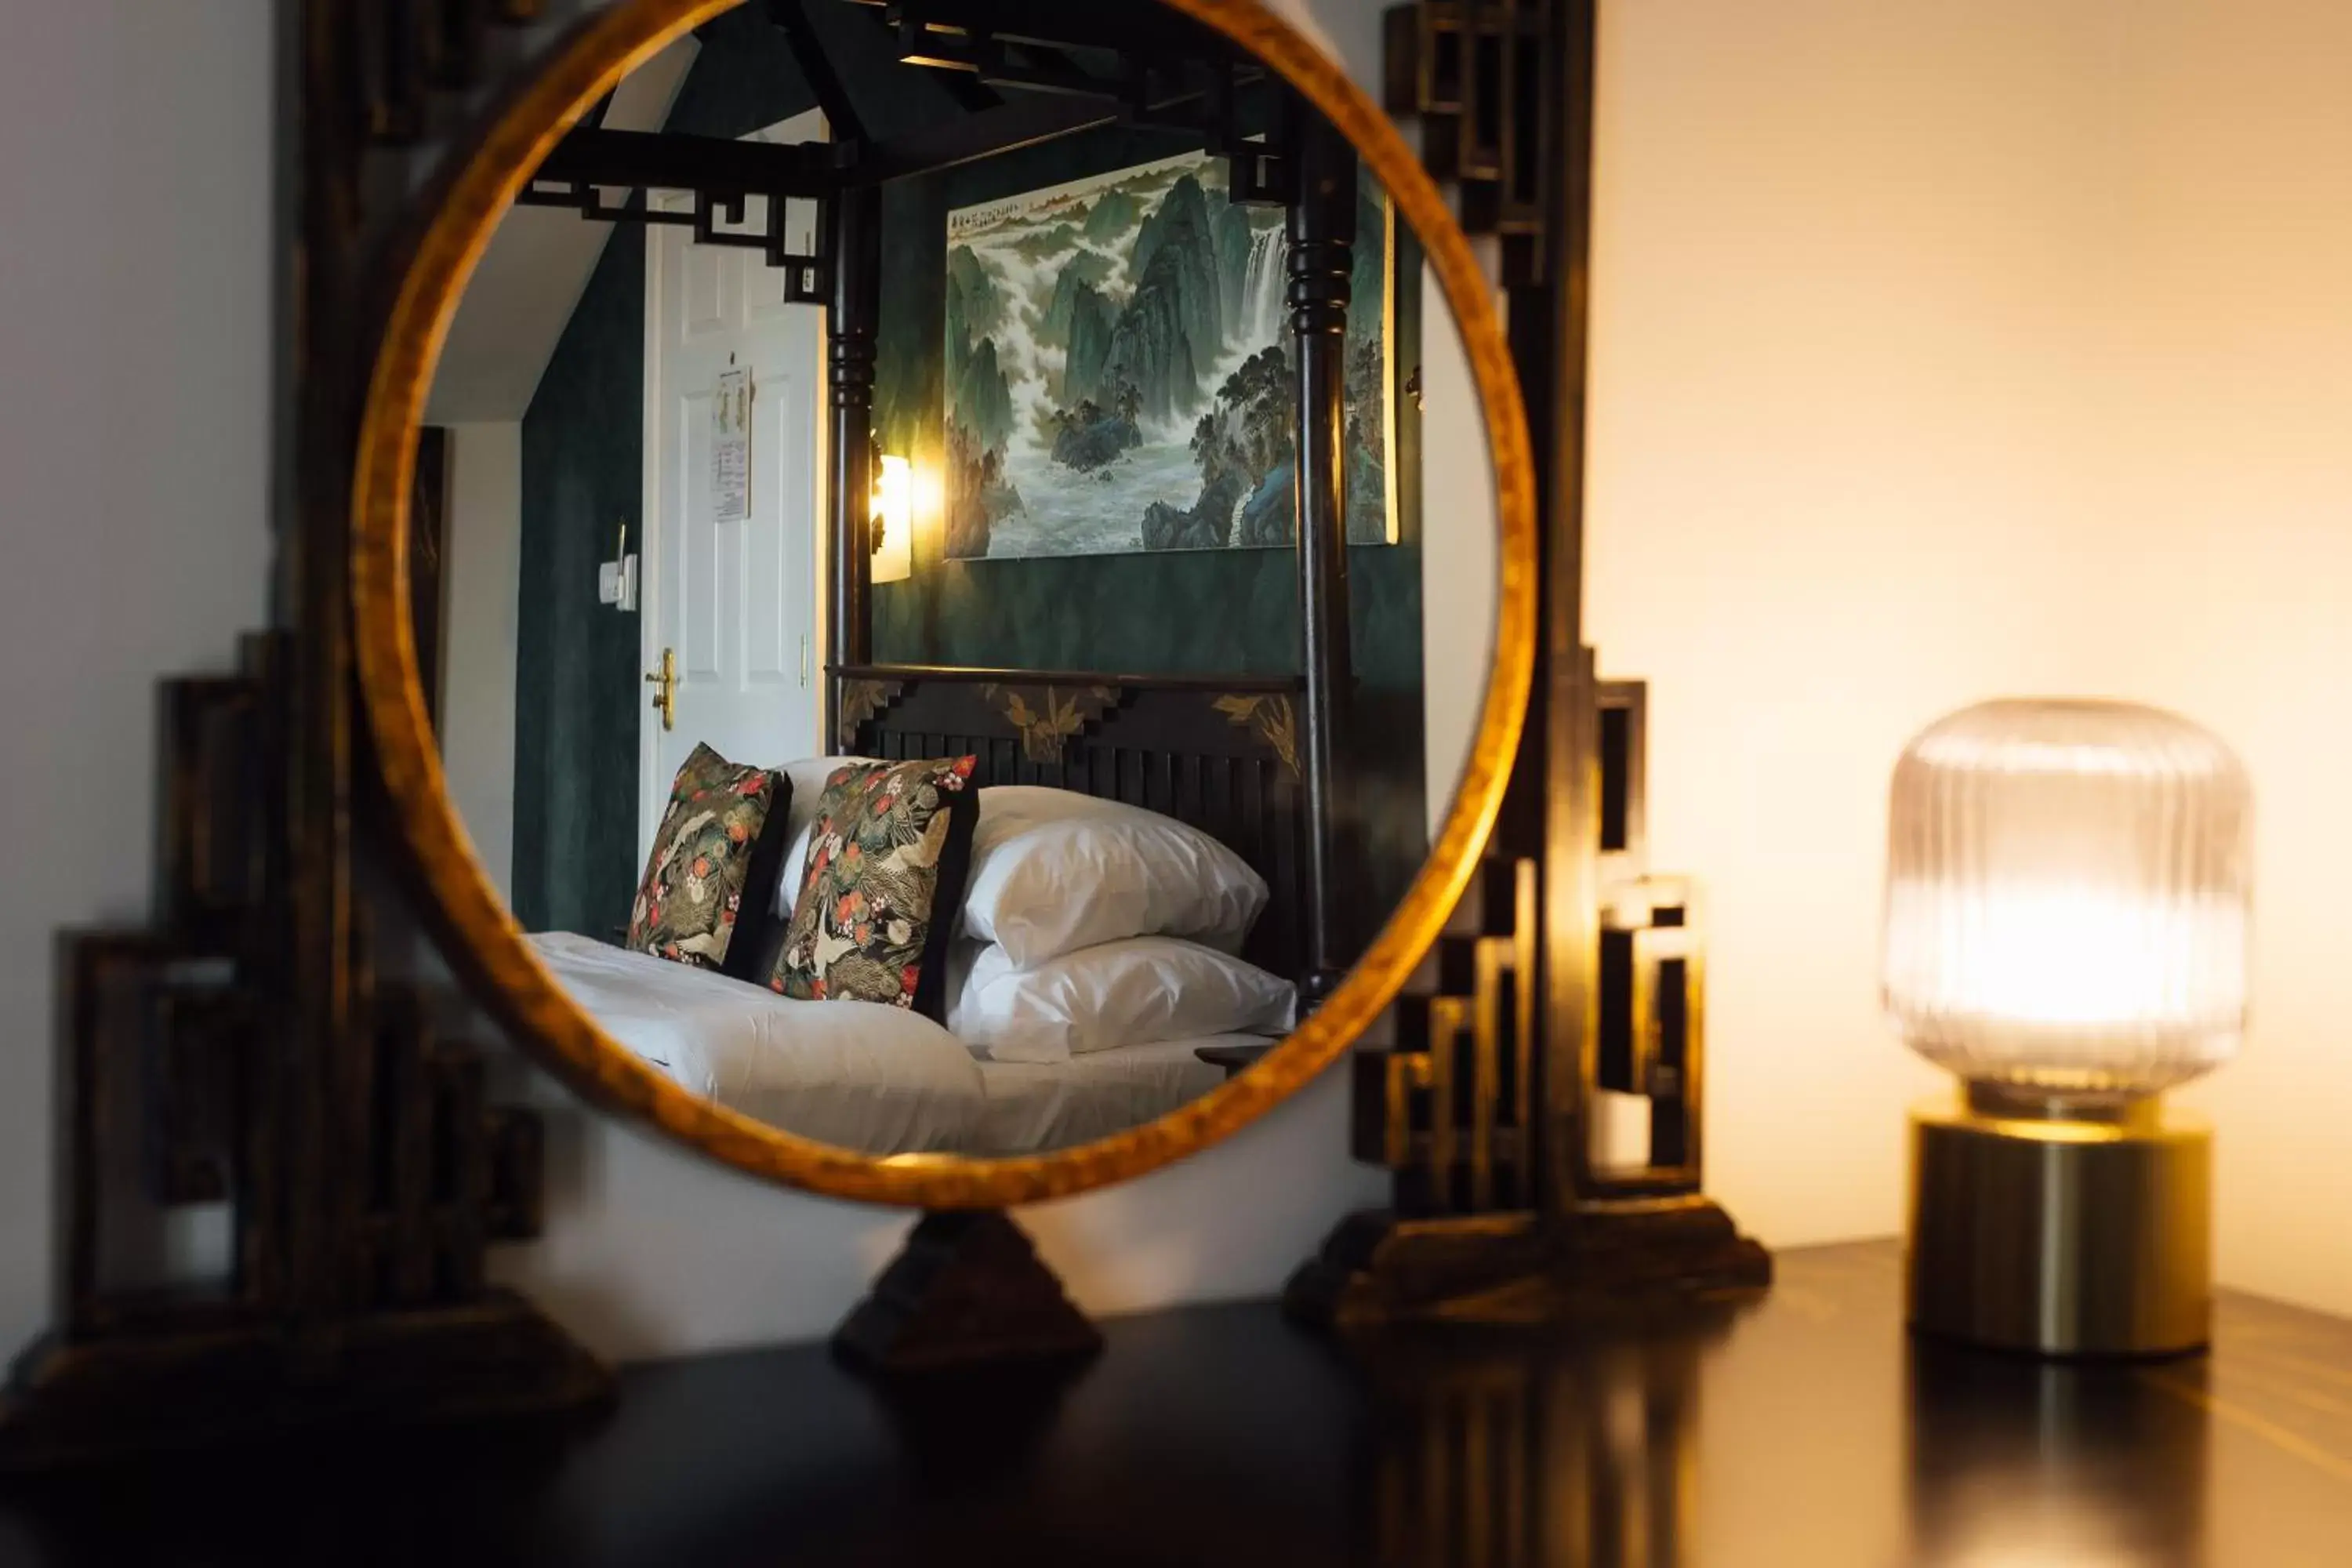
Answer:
(1220, 753)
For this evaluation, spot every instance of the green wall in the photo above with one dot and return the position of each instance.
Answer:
(576, 702)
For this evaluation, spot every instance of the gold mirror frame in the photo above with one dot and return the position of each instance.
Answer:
(481, 937)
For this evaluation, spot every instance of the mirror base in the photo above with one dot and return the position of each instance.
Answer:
(1609, 1259)
(107, 1398)
(967, 1290)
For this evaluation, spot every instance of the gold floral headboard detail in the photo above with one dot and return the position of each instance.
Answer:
(1046, 717)
(1052, 720)
(1271, 716)
(861, 701)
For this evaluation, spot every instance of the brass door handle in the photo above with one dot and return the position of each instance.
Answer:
(666, 697)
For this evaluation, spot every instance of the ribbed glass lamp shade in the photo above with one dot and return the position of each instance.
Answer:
(2067, 899)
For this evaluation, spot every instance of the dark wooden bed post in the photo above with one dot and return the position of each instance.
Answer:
(1322, 257)
(856, 216)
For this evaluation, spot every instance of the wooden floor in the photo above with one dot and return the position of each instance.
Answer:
(1804, 1429)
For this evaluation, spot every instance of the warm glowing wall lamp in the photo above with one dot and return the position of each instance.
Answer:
(2066, 930)
(894, 519)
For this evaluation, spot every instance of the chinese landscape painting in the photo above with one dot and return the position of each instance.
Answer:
(1117, 369)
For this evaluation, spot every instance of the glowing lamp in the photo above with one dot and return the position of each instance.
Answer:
(894, 519)
(2066, 930)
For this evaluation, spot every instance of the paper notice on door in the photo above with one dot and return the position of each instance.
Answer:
(730, 446)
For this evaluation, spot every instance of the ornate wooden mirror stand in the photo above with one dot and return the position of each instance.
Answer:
(266, 1056)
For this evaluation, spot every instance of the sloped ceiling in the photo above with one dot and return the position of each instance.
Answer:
(531, 276)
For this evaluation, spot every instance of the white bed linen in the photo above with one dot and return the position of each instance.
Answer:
(859, 1075)
(1036, 1105)
(1110, 995)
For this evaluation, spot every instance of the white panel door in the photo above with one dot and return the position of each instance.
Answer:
(735, 603)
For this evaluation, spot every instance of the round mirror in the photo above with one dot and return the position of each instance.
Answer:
(945, 595)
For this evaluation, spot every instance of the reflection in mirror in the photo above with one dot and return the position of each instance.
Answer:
(872, 650)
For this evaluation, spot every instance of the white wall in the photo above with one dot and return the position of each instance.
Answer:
(135, 339)
(1948, 352)
(1458, 585)
(529, 279)
(2233, 376)
(481, 577)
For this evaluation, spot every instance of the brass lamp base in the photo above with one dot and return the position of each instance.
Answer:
(2070, 1234)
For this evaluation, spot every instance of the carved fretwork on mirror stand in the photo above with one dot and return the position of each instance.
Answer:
(257, 1067)
(1572, 983)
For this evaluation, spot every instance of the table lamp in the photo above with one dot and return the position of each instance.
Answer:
(2066, 930)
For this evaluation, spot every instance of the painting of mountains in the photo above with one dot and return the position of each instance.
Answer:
(1118, 370)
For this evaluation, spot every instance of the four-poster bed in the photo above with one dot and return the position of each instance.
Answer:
(1252, 760)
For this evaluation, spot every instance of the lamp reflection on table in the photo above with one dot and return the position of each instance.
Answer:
(1622, 1449)
(2018, 1462)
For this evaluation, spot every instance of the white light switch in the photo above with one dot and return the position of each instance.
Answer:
(617, 582)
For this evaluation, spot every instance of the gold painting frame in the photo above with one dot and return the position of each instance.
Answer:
(480, 935)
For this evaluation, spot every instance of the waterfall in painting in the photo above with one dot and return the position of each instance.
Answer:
(1262, 285)
(1115, 366)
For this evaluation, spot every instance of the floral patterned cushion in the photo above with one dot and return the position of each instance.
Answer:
(886, 863)
(706, 854)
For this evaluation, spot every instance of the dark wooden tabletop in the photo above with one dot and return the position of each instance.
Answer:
(1804, 1429)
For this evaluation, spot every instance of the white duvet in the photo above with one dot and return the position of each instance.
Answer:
(860, 1075)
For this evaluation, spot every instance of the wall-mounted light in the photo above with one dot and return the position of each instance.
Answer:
(894, 519)
(2066, 930)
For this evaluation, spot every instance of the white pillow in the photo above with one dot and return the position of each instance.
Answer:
(1129, 992)
(808, 777)
(962, 954)
(1054, 872)
(788, 882)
